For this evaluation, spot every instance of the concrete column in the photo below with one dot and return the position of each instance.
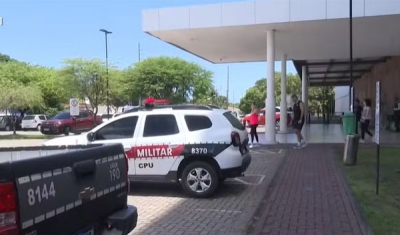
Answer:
(283, 120)
(270, 101)
(304, 91)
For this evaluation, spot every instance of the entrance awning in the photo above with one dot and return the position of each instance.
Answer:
(335, 72)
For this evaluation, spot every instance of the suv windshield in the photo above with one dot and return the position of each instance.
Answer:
(62, 116)
(29, 117)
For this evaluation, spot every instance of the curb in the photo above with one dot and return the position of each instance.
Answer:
(357, 209)
(253, 226)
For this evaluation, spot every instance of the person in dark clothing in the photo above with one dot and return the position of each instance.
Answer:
(357, 111)
(298, 121)
(396, 112)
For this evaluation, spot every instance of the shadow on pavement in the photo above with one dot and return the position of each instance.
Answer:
(226, 189)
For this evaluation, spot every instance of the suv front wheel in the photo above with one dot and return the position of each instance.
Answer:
(199, 179)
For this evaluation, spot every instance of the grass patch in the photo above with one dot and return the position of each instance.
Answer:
(25, 137)
(383, 210)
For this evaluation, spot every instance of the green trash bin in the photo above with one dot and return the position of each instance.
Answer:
(349, 123)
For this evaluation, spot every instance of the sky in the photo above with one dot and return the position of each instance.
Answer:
(44, 32)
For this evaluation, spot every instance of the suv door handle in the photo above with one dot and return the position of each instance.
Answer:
(173, 146)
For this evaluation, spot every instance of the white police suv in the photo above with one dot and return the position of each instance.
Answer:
(196, 145)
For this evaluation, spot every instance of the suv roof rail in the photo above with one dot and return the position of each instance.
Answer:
(173, 106)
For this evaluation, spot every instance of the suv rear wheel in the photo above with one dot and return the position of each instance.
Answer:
(199, 179)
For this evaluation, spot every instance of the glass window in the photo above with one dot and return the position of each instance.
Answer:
(83, 115)
(277, 110)
(160, 125)
(62, 116)
(47, 117)
(29, 117)
(196, 122)
(41, 117)
(234, 121)
(119, 129)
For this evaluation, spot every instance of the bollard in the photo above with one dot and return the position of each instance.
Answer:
(351, 150)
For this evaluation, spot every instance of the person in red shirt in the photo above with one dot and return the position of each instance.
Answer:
(253, 125)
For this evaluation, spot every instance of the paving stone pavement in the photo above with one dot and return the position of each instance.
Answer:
(309, 196)
(165, 209)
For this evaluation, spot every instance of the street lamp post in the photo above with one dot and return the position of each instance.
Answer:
(351, 91)
(106, 33)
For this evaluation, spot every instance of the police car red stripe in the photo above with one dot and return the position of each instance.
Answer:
(164, 150)
(155, 151)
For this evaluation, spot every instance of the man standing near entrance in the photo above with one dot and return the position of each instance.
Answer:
(298, 121)
(396, 112)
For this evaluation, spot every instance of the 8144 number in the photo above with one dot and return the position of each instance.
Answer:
(40, 193)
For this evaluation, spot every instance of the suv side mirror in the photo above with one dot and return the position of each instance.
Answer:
(90, 136)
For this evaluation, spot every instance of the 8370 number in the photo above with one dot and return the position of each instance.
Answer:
(199, 150)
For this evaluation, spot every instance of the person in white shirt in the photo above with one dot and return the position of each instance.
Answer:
(366, 119)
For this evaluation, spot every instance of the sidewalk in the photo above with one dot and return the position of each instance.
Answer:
(310, 197)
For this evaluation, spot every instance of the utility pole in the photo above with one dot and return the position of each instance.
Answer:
(227, 89)
(1, 21)
(233, 99)
(139, 52)
(106, 33)
(351, 90)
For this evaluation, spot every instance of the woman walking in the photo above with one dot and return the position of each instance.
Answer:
(253, 125)
(366, 119)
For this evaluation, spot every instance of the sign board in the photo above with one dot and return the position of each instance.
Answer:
(74, 107)
(378, 113)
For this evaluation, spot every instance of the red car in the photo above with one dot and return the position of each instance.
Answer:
(246, 119)
(63, 123)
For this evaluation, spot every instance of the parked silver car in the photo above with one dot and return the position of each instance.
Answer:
(33, 121)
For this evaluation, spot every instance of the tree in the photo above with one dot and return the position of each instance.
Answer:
(168, 78)
(6, 58)
(17, 96)
(319, 100)
(52, 88)
(86, 79)
(25, 75)
(118, 95)
(257, 94)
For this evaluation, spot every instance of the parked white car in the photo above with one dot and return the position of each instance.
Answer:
(33, 121)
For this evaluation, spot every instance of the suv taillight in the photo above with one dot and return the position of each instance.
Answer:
(8, 209)
(235, 139)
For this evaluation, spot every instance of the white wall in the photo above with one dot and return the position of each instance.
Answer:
(342, 99)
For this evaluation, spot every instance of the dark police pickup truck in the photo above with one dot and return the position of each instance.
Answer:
(81, 190)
